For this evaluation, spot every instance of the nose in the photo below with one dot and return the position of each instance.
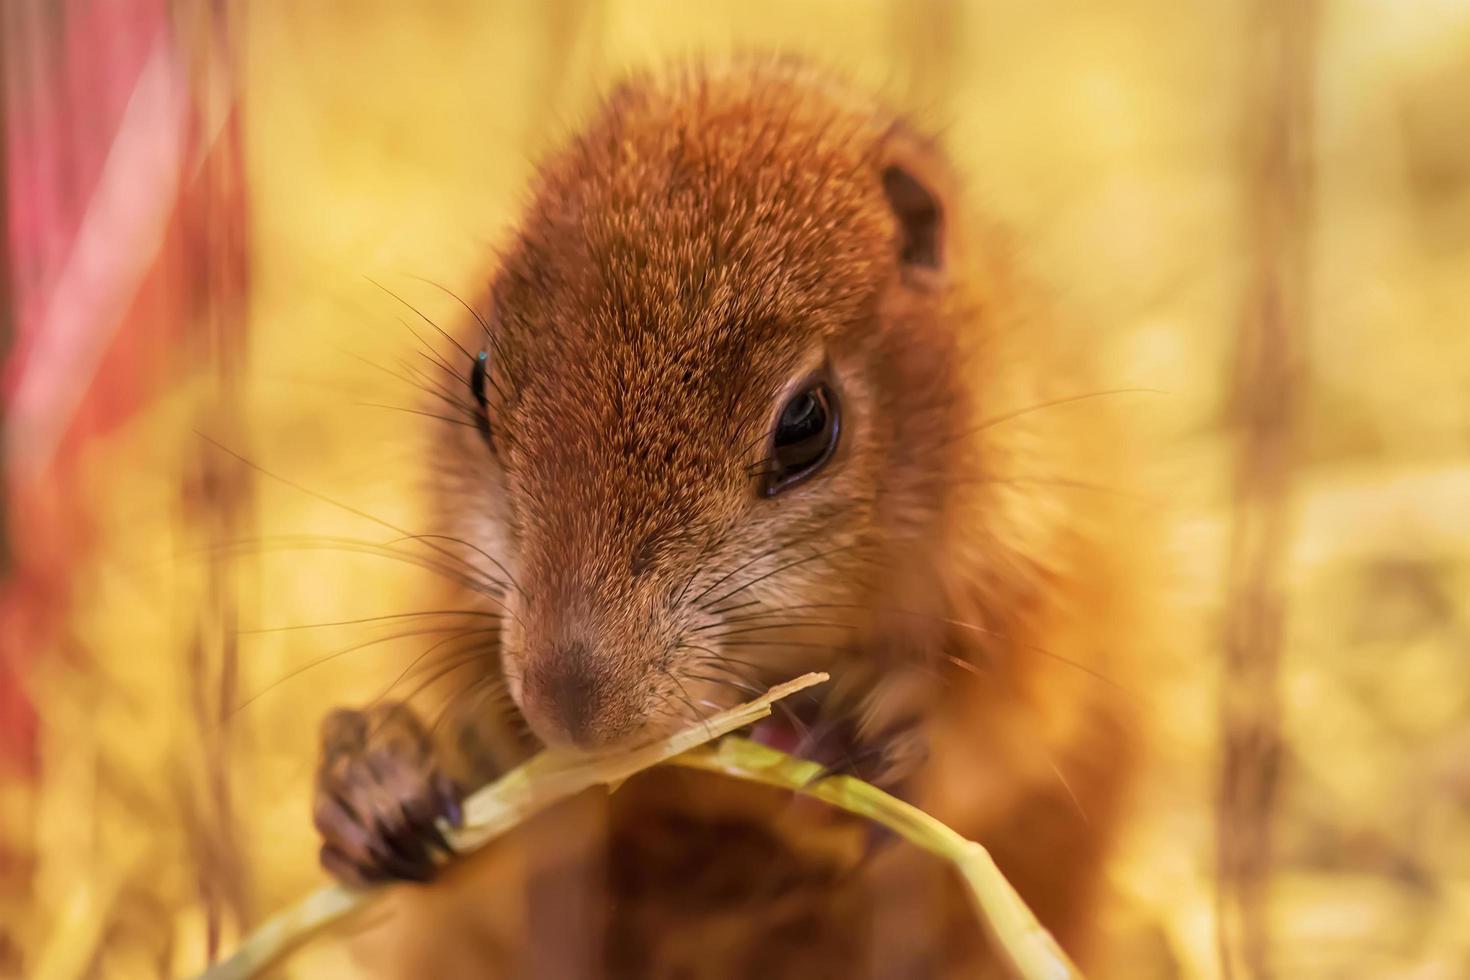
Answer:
(564, 697)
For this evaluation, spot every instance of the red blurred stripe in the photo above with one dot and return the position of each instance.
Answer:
(110, 235)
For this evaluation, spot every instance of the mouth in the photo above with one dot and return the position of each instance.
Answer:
(831, 743)
(834, 746)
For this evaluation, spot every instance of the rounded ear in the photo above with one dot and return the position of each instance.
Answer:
(914, 184)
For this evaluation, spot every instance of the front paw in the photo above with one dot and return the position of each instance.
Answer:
(379, 792)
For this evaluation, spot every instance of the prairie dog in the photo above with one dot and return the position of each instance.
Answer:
(755, 392)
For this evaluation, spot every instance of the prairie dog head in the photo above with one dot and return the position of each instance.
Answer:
(717, 388)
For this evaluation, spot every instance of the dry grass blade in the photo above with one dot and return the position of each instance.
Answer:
(1031, 950)
(552, 776)
(489, 812)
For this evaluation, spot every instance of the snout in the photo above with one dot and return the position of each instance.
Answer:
(571, 698)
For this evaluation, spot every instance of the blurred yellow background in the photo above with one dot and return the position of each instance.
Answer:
(389, 141)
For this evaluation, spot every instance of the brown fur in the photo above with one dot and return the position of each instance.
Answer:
(959, 566)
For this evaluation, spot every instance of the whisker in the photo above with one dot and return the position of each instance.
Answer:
(732, 573)
(333, 656)
(418, 373)
(322, 497)
(801, 539)
(781, 568)
(478, 690)
(472, 652)
(769, 612)
(484, 327)
(1081, 810)
(1050, 760)
(427, 386)
(366, 619)
(684, 693)
(419, 412)
(960, 624)
(432, 356)
(473, 547)
(744, 687)
(698, 564)
(767, 434)
(767, 644)
(729, 609)
(737, 685)
(788, 624)
(456, 297)
(455, 663)
(1044, 652)
(442, 332)
(850, 763)
(1056, 482)
(488, 588)
(1008, 416)
(748, 664)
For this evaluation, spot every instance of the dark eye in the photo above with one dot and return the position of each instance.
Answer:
(805, 436)
(478, 378)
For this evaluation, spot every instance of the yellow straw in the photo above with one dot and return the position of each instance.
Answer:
(1032, 951)
(521, 793)
(552, 776)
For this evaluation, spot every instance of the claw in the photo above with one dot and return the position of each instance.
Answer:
(450, 794)
(378, 800)
(419, 821)
(394, 862)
